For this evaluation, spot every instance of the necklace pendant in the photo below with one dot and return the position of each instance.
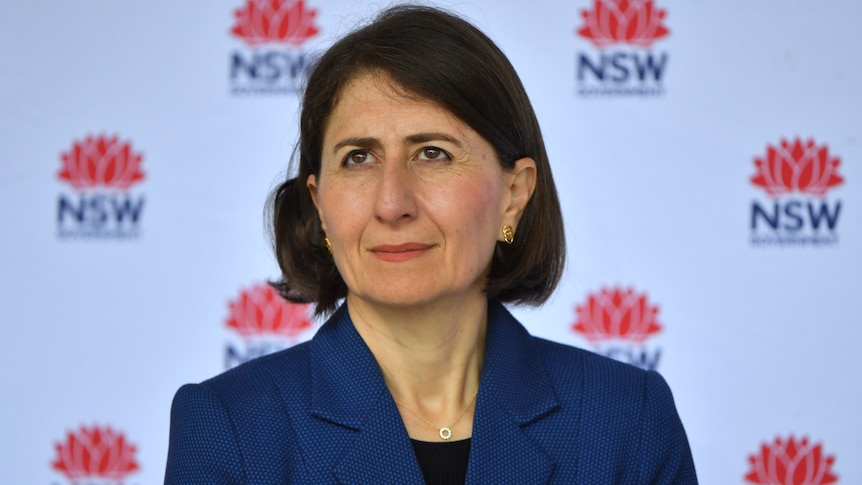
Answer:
(445, 433)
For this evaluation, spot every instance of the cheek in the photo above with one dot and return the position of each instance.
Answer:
(486, 196)
(473, 208)
(336, 210)
(478, 212)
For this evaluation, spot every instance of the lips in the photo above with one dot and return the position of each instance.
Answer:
(400, 252)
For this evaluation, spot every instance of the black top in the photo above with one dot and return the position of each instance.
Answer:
(443, 463)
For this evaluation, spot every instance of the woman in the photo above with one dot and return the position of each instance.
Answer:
(424, 201)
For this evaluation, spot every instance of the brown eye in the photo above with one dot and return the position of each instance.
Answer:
(433, 153)
(357, 157)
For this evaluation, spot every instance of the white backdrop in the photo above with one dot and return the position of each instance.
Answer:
(140, 140)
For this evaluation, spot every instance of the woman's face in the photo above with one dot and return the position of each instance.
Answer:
(411, 198)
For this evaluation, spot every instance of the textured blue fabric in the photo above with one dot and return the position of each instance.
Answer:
(320, 413)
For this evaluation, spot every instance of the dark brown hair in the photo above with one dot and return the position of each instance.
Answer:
(436, 56)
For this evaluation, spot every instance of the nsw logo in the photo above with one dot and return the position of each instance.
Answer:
(273, 61)
(796, 176)
(101, 172)
(96, 456)
(617, 322)
(621, 62)
(265, 323)
(791, 462)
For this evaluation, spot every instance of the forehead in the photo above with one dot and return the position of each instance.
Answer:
(376, 96)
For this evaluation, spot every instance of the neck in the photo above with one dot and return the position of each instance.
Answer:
(431, 357)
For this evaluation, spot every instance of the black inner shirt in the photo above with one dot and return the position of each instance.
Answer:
(443, 463)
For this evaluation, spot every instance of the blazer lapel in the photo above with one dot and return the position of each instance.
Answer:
(348, 390)
(514, 393)
(355, 421)
(381, 453)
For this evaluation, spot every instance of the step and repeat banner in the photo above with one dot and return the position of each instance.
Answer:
(708, 156)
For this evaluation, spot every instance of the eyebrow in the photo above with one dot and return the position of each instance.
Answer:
(369, 142)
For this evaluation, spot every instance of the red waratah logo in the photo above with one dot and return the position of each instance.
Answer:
(791, 462)
(95, 452)
(617, 314)
(797, 166)
(101, 162)
(635, 22)
(282, 21)
(261, 310)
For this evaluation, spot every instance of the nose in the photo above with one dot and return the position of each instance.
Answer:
(395, 200)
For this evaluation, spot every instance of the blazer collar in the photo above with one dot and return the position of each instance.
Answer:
(348, 389)
(514, 392)
(346, 381)
(513, 373)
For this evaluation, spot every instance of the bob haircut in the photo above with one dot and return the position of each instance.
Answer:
(438, 57)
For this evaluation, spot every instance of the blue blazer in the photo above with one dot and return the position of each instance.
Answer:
(320, 413)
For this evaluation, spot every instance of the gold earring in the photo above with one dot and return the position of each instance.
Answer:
(508, 234)
(328, 244)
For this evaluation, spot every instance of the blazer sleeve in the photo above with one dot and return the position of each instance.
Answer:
(665, 453)
(203, 444)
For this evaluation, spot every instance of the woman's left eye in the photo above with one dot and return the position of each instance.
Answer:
(433, 153)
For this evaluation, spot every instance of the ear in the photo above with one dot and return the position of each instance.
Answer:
(521, 183)
(311, 184)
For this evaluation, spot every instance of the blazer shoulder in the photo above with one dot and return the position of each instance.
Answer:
(627, 415)
(566, 363)
(288, 369)
(238, 427)
(600, 390)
